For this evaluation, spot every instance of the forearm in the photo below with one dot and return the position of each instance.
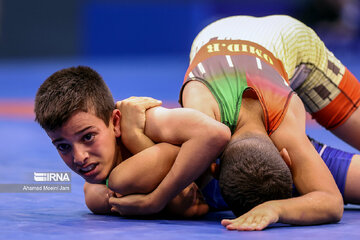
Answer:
(201, 138)
(143, 172)
(312, 208)
(190, 163)
(136, 141)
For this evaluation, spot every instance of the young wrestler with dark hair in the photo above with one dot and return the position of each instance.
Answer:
(70, 90)
(77, 111)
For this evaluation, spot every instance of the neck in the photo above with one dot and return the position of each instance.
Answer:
(251, 118)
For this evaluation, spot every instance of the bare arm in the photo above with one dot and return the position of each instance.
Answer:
(321, 201)
(143, 172)
(201, 139)
(127, 178)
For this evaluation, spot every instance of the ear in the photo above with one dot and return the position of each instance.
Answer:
(215, 170)
(116, 120)
(285, 156)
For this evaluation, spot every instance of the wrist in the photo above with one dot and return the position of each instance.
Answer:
(275, 207)
(156, 202)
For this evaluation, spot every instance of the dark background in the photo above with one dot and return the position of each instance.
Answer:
(103, 28)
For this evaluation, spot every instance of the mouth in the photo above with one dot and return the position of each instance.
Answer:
(89, 170)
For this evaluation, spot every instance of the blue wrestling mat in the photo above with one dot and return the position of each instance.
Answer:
(25, 149)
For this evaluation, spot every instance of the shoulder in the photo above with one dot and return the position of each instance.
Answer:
(292, 128)
(295, 109)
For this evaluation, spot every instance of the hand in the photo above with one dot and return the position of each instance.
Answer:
(257, 218)
(133, 112)
(135, 204)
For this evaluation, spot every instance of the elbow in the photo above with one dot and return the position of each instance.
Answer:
(98, 207)
(117, 183)
(221, 136)
(125, 183)
(339, 215)
(334, 207)
(338, 209)
(96, 199)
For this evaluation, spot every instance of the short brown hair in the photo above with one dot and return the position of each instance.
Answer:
(252, 172)
(70, 90)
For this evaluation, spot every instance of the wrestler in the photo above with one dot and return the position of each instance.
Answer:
(76, 109)
(329, 91)
(238, 75)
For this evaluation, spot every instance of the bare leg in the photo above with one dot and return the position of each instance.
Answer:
(350, 130)
(352, 185)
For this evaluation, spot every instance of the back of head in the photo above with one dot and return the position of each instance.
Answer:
(252, 172)
(70, 90)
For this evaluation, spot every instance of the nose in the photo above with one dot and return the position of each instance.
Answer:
(80, 155)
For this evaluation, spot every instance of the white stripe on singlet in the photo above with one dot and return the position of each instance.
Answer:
(322, 150)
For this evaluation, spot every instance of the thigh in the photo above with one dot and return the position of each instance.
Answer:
(333, 104)
(352, 185)
(349, 131)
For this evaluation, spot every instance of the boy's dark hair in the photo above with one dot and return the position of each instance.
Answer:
(252, 172)
(70, 90)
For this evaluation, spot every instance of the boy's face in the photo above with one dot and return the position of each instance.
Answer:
(87, 145)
